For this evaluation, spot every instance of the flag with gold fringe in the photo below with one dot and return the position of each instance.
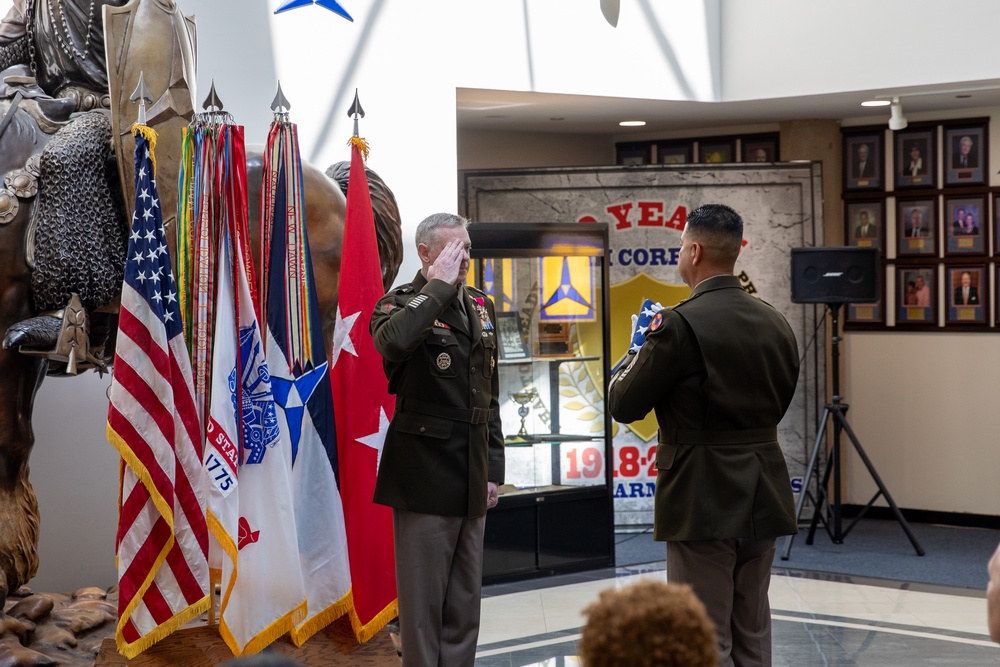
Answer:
(250, 502)
(296, 358)
(162, 540)
(363, 407)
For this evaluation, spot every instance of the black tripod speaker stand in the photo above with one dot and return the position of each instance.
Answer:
(836, 410)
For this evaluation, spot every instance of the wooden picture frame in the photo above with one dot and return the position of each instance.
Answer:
(510, 336)
(634, 153)
(869, 313)
(864, 223)
(966, 290)
(716, 151)
(674, 152)
(863, 160)
(759, 148)
(965, 231)
(913, 241)
(996, 226)
(996, 303)
(966, 154)
(916, 294)
(915, 158)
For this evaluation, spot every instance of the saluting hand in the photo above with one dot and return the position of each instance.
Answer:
(448, 264)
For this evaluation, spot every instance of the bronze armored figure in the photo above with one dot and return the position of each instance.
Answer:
(64, 207)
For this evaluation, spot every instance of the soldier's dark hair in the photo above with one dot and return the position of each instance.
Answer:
(719, 229)
(427, 229)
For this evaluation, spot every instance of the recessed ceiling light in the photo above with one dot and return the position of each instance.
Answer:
(876, 103)
(557, 118)
(632, 123)
(964, 96)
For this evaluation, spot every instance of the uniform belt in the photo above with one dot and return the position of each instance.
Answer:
(471, 415)
(748, 436)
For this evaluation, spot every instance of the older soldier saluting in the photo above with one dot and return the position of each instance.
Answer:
(719, 369)
(443, 458)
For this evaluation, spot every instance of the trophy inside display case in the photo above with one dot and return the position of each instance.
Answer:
(523, 399)
(549, 283)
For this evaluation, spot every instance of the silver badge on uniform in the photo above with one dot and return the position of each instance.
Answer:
(444, 361)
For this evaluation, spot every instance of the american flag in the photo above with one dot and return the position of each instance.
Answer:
(162, 543)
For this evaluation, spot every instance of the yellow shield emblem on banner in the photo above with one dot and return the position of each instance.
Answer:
(626, 300)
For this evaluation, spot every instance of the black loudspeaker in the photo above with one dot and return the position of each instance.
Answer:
(834, 275)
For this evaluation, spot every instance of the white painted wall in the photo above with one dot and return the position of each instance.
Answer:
(786, 48)
(923, 406)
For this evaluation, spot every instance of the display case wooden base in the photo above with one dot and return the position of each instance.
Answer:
(546, 531)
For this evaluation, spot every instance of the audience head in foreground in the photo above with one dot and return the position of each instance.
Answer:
(648, 624)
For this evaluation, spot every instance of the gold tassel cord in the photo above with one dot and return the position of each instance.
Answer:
(362, 145)
(150, 135)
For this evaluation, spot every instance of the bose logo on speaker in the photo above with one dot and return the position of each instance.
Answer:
(833, 274)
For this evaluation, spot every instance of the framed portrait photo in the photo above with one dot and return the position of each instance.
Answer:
(716, 151)
(916, 227)
(674, 152)
(915, 157)
(513, 342)
(759, 148)
(966, 293)
(863, 160)
(964, 221)
(965, 154)
(869, 313)
(634, 153)
(916, 295)
(865, 223)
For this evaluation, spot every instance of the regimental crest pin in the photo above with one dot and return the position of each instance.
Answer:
(444, 361)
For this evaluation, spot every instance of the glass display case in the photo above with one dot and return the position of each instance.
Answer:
(549, 283)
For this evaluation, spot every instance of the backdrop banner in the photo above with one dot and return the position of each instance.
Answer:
(646, 209)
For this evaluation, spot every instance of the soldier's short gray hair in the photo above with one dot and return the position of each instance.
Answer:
(429, 226)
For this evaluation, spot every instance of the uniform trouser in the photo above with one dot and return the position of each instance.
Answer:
(439, 573)
(731, 578)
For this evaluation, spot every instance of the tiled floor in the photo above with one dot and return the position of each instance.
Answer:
(828, 620)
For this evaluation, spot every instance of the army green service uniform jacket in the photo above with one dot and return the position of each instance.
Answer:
(445, 441)
(719, 369)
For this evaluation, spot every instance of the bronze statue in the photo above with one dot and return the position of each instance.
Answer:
(64, 205)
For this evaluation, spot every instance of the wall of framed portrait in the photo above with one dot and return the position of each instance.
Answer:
(757, 147)
(921, 196)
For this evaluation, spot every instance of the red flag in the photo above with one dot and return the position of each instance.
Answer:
(162, 544)
(363, 407)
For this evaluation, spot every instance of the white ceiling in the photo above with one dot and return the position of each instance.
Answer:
(496, 110)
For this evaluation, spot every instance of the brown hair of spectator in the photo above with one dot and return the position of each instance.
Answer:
(648, 624)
